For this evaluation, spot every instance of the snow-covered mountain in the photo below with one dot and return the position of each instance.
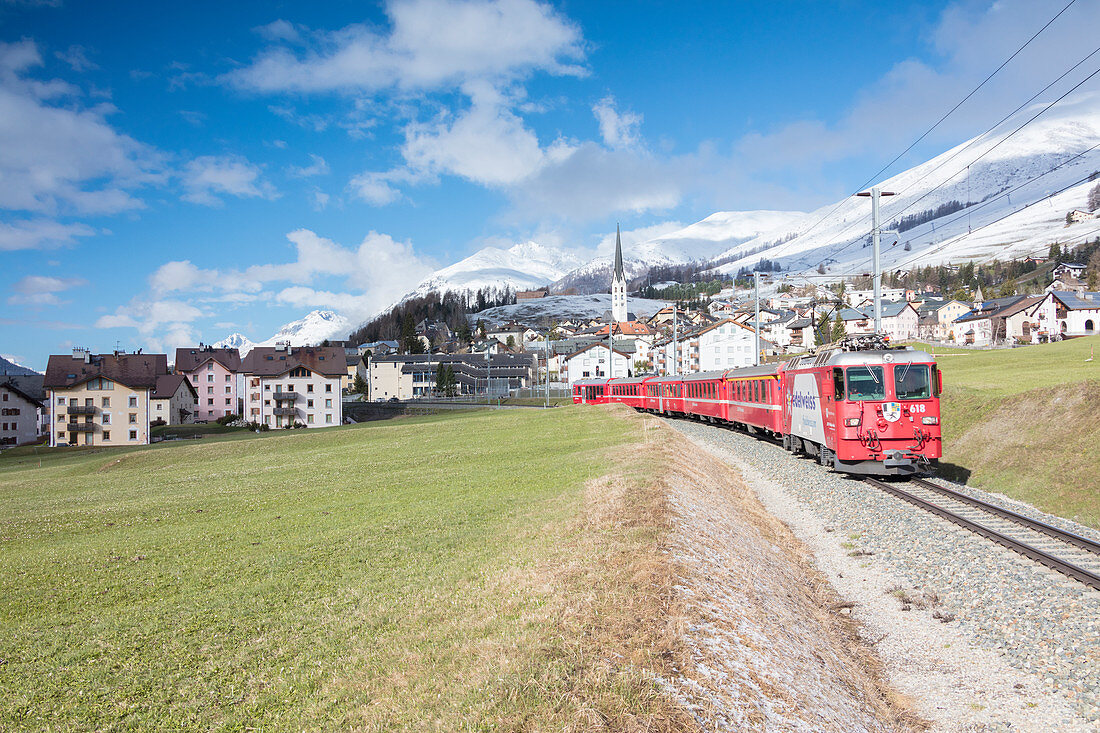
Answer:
(316, 327)
(523, 266)
(11, 367)
(235, 341)
(698, 242)
(1018, 193)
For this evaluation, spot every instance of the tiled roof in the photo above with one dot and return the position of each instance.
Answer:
(1075, 302)
(189, 359)
(28, 385)
(167, 384)
(137, 371)
(268, 361)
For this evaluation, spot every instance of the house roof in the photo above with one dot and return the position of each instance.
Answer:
(28, 385)
(137, 371)
(167, 384)
(1074, 302)
(890, 309)
(271, 361)
(618, 351)
(990, 309)
(626, 328)
(28, 394)
(188, 359)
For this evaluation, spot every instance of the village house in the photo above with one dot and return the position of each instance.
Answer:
(984, 324)
(591, 362)
(899, 320)
(532, 294)
(215, 373)
(174, 399)
(288, 385)
(937, 317)
(1060, 314)
(22, 409)
(857, 298)
(1068, 269)
(1079, 215)
(378, 348)
(101, 399)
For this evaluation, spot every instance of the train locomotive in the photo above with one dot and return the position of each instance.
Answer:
(859, 406)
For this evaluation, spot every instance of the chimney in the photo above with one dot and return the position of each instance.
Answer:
(79, 352)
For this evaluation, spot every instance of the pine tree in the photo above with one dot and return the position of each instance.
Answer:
(480, 328)
(450, 384)
(359, 385)
(1094, 197)
(1055, 252)
(464, 335)
(838, 328)
(440, 379)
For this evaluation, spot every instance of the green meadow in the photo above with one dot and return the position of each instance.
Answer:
(1026, 422)
(387, 575)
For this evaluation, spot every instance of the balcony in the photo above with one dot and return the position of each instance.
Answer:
(81, 427)
(285, 411)
(81, 409)
(289, 396)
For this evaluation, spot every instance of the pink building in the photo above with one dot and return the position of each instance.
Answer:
(214, 373)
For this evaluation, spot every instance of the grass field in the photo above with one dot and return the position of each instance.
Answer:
(1024, 422)
(429, 573)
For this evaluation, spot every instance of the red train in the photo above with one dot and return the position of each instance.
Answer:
(860, 407)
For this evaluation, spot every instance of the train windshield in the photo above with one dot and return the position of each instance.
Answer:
(911, 382)
(865, 383)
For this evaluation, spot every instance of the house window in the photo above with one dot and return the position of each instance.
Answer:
(194, 377)
(309, 403)
(328, 387)
(228, 390)
(309, 388)
(60, 435)
(328, 418)
(160, 406)
(210, 367)
(209, 377)
(228, 401)
(5, 397)
(133, 401)
(106, 418)
(328, 403)
(267, 388)
(133, 435)
(106, 402)
(106, 434)
(210, 401)
(309, 418)
(227, 377)
(61, 400)
(133, 418)
(101, 383)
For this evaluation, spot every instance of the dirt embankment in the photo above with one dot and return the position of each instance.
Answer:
(727, 612)
(1038, 446)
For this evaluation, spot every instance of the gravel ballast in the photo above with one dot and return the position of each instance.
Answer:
(980, 637)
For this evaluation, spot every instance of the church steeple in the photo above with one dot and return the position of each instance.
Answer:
(618, 282)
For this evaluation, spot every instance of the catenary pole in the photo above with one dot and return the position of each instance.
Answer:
(675, 345)
(876, 193)
(756, 324)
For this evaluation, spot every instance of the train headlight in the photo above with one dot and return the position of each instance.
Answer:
(930, 420)
(852, 422)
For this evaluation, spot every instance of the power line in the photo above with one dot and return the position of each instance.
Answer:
(958, 152)
(930, 129)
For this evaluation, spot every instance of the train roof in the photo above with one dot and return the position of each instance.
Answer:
(839, 357)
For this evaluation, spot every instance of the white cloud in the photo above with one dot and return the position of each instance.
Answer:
(318, 167)
(77, 58)
(42, 289)
(62, 158)
(40, 234)
(373, 274)
(319, 200)
(162, 324)
(631, 237)
(280, 30)
(208, 176)
(430, 44)
(618, 129)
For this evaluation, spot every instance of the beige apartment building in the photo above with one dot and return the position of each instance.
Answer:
(101, 399)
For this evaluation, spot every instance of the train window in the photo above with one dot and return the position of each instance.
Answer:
(865, 383)
(936, 380)
(838, 384)
(911, 382)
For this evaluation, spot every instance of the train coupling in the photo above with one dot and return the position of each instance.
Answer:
(896, 462)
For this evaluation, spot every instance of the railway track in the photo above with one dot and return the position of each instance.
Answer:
(1070, 554)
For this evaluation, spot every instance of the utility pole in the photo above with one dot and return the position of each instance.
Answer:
(547, 368)
(675, 345)
(756, 324)
(875, 193)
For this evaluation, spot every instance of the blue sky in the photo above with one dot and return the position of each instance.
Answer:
(173, 175)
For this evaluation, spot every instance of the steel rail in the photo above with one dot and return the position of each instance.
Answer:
(1048, 529)
(1054, 563)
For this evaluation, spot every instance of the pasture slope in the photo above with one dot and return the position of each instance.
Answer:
(1025, 422)
(493, 571)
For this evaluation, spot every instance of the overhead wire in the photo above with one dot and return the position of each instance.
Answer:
(928, 131)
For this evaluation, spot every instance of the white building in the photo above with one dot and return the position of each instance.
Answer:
(1062, 313)
(22, 409)
(591, 362)
(285, 385)
(174, 400)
